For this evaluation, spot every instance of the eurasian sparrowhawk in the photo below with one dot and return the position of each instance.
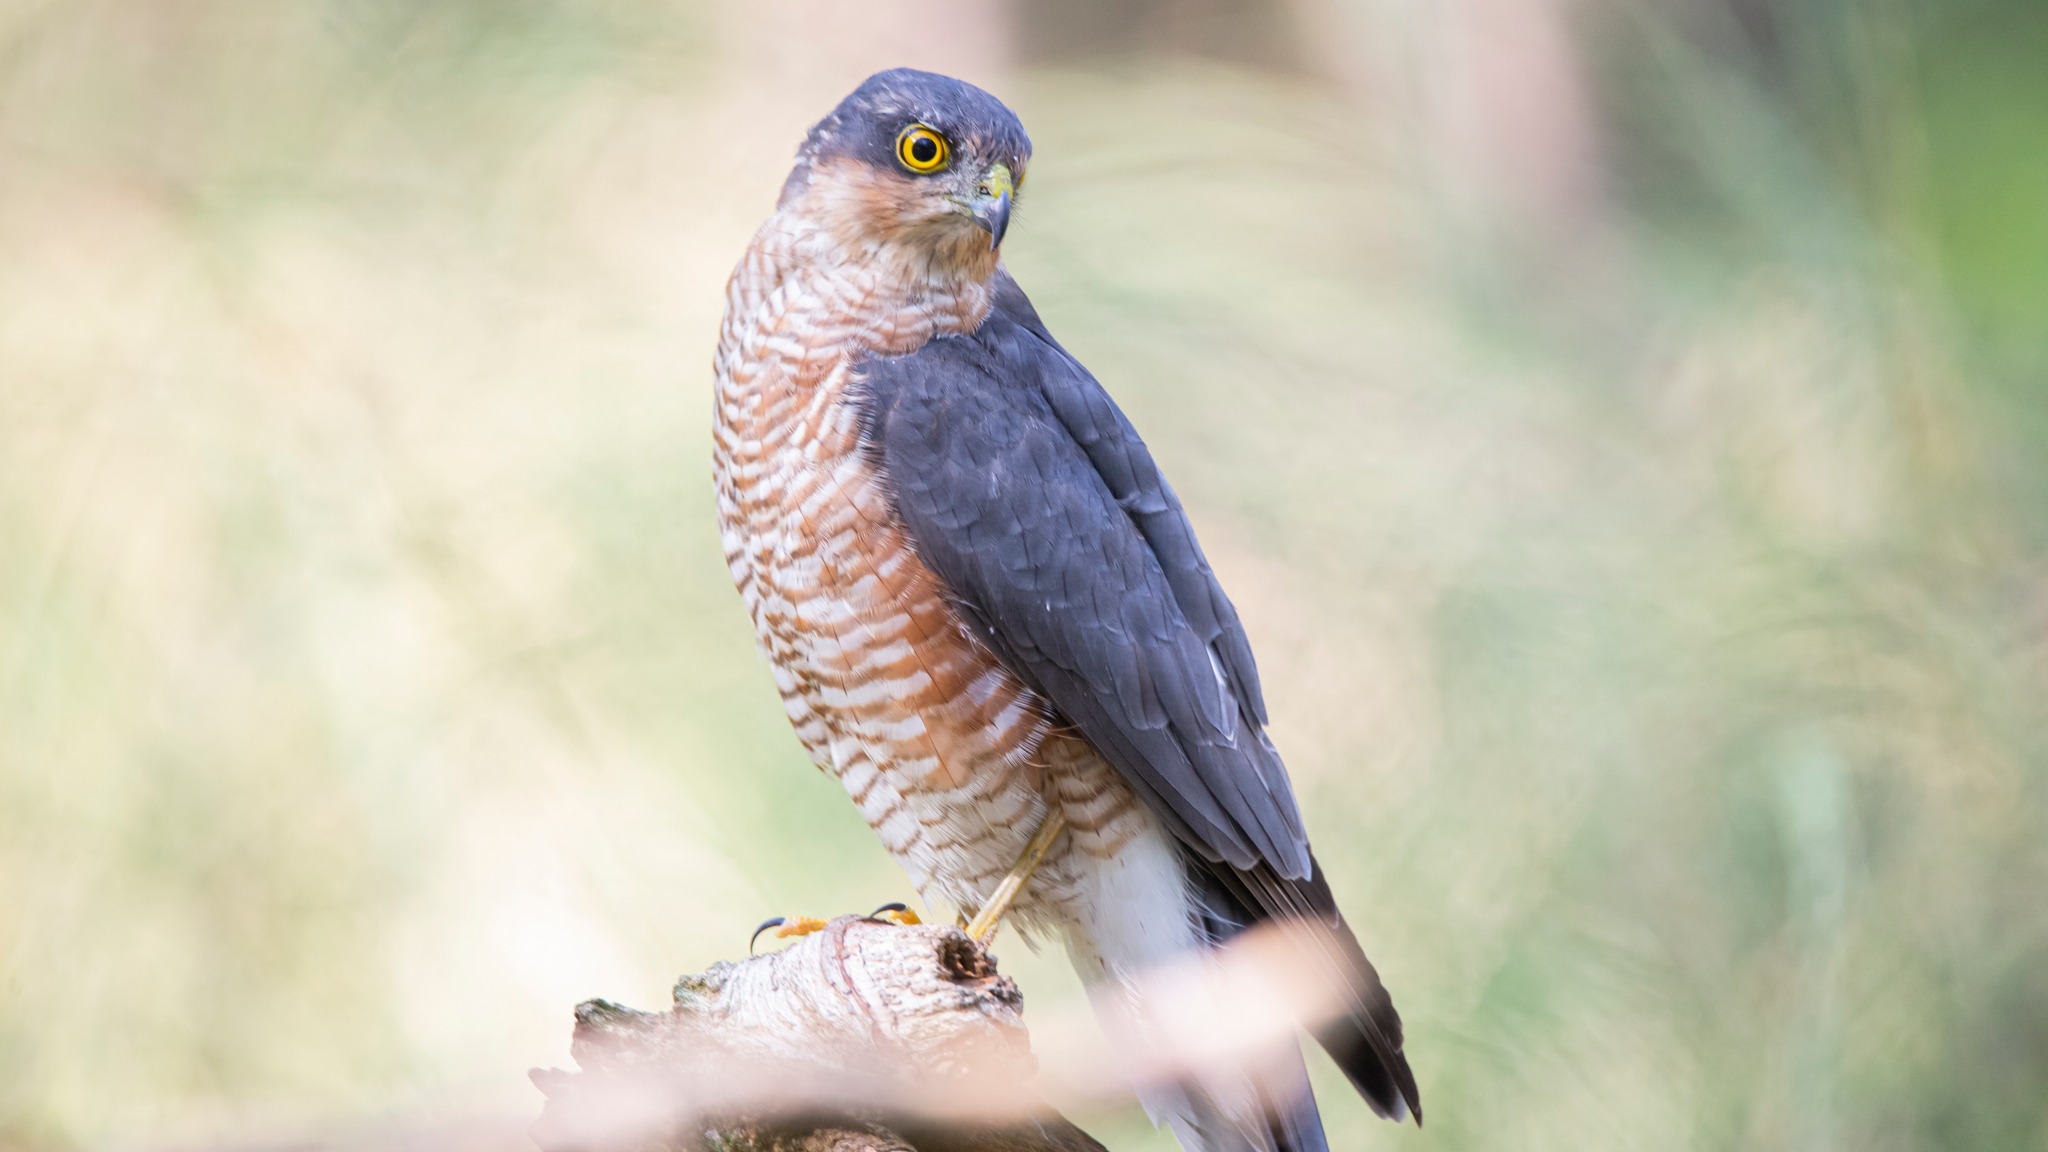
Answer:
(985, 608)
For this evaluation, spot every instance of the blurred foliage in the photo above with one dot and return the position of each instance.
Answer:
(1645, 555)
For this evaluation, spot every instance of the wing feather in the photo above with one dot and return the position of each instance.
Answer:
(1031, 496)
(1024, 488)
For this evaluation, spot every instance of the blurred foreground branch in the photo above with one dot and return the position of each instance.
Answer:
(865, 1035)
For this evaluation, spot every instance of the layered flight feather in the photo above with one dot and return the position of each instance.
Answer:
(1027, 492)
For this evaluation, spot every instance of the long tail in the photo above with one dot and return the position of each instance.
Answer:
(1366, 1041)
(1277, 1111)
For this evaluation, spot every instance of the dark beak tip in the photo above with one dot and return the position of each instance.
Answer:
(997, 221)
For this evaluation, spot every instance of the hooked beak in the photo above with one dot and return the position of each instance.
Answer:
(991, 206)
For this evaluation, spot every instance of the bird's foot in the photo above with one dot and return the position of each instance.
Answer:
(786, 928)
(791, 927)
(895, 912)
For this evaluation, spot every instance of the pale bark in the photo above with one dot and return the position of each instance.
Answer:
(865, 1035)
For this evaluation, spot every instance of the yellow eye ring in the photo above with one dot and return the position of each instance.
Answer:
(921, 149)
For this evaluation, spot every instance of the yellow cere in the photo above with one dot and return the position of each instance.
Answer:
(921, 149)
(999, 183)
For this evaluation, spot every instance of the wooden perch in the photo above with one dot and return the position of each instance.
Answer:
(863, 1036)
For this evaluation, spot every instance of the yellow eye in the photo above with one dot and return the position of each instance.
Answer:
(921, 149)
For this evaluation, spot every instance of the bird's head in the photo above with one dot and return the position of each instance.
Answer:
(921, 165)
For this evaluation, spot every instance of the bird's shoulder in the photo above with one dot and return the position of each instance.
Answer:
(1009, 384)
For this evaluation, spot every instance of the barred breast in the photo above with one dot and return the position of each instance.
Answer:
(949, 757)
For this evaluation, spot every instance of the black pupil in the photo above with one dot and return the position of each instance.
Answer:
(924, 149)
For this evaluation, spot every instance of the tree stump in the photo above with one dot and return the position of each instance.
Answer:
(864, 1036)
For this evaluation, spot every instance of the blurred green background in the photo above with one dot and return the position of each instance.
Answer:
(1622, 424)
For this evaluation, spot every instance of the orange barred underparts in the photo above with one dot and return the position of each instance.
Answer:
(951, 758)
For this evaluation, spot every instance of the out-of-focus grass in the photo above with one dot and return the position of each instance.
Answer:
(1651, 596)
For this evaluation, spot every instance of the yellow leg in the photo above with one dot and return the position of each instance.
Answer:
(983, 927)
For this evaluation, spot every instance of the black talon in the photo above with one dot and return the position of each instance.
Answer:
(771, 922)
(891, 906)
